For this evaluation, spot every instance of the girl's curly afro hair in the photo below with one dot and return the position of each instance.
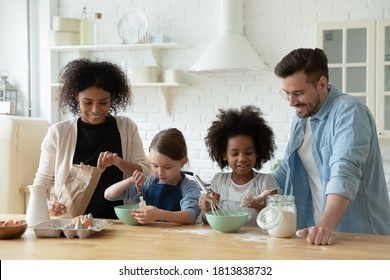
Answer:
(232, 122)
(81, 74)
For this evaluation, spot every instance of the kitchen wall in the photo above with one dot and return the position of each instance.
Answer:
(13, 34)
(273, 27)
(194, 23)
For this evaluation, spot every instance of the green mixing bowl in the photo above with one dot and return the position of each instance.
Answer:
(226, 223)
(123, 212)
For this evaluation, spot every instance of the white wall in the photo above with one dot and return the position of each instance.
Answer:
(273, 27)
(14, 48)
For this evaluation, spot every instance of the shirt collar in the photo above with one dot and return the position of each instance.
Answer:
(333, 93)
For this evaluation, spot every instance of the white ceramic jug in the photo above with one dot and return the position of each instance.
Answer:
(37, 210)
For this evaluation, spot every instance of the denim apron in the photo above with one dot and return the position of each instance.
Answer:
(164, 196)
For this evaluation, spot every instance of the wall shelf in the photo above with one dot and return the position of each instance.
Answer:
(116, 47)
(85, 51)
(162, 88)
(163, 85)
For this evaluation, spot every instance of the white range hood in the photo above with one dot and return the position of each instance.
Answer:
(230, 51)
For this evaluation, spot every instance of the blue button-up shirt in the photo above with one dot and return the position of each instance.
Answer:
(348, 159)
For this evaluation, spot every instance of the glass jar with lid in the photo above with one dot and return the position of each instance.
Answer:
(279, 218)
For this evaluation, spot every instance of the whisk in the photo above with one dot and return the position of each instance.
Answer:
(216, 207)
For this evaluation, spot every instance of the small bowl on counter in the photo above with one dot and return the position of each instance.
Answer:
(123, 212)
(12, 229)
(226, 222)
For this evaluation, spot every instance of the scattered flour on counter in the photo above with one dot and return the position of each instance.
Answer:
(196, 231)
(263, 240)
(253, 236)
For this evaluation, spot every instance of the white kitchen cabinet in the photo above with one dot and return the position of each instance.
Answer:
(89, 51)
(383, 76)
(359, 63)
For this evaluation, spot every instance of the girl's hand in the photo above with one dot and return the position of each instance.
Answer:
(204, 203)
(205, 200)
(56, 208)
(266, 193)
(139, 178)
(257, 202)
(146, 214)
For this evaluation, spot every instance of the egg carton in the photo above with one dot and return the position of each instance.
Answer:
(64, 227)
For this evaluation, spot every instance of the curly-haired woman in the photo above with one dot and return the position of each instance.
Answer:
(242, 141)
(93, 91)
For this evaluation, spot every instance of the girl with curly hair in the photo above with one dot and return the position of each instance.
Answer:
(242, 141)
(93, 91)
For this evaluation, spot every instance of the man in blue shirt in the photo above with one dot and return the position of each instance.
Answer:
(333, 164)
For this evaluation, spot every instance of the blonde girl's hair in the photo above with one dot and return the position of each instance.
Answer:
(171, 143)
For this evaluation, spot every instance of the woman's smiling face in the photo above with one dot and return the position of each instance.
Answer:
(95, 104)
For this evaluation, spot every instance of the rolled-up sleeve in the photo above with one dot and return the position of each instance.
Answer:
(349, 151)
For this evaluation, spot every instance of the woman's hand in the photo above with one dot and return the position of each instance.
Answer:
(56, 208)
(146, 214)
(106, 159)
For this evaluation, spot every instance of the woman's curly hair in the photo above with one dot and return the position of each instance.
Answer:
(233, 122)
(82, 73)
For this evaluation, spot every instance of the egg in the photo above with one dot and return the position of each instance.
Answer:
(10, 223)
(19, 222)
(86, 221)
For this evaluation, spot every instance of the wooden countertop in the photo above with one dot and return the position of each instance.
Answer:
(168, 241)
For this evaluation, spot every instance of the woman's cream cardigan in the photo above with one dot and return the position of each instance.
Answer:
(59, 145)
